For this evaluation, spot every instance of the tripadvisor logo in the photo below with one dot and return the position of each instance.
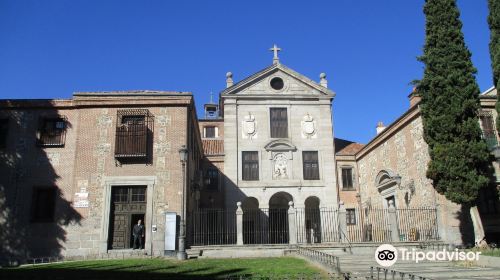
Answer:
(387, 255)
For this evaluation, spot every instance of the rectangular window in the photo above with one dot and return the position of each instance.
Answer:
(43, 205)
(279, 123)
(310, 165)
(52, 132)
(133, 132)
(350, 216)
(250, 168)
(4, 128)
(488, 126)
(209, 131)
(213, 179)
(347, 179)
(138, 195)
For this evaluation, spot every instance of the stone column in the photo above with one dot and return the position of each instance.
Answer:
(239, 224)
(292, 228)
(342, 222)
(393, 222)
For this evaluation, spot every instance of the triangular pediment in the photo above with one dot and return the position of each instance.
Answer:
(293, 84)
(280, 145)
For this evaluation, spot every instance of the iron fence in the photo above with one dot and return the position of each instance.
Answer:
(370, 225)
(265, 226)
(214, 227)
(317, 225)
(417, 224)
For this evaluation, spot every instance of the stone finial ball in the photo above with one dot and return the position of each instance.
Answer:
(238, 203)
(322, 75)
(229, 75)
(341, 202)
(290, 203)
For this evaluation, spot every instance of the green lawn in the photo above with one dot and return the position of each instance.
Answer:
(263, 268)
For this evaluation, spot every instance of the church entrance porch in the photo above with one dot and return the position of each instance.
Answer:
(128, 206)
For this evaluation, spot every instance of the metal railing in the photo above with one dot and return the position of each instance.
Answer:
(372, 225)
(317, 225)
(214, 227)
(331, 261)
(380, 273)
(417, 224)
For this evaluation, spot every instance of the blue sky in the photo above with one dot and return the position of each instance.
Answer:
(50, 49)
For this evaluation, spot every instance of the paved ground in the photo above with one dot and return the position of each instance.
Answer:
(359, 265)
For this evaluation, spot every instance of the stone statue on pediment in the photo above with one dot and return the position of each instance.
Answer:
(280, 166)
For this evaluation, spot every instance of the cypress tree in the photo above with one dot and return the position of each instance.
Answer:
(459, 164)
(494, 23)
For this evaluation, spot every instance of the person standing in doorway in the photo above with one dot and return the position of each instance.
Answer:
(138, 233)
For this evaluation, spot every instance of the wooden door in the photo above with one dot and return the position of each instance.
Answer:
(126, 203)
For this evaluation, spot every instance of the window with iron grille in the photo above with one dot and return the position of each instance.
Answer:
(52, 132)
(347, 183)
(4, 128)
(279, 123)
(209, 131)
(250, 168)
(350, 216)
(43, 205)
(134, 130)
(213, 179)
(488, 126)
(310, 165)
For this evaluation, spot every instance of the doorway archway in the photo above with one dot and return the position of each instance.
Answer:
(278, 217)
(312, 220)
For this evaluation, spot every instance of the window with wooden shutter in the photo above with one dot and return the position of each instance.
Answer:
(209, 131)
(310, 165)
(347, 183)
(488, 126)
(250, 168)
(350, 216)
(279, 123)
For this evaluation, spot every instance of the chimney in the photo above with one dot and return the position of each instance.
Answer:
(414, 97)
(229, 79)
(322, 80)
(380, 127)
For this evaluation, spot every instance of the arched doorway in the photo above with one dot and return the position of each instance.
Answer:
(252, 221)
(312, 220)
(278, 217)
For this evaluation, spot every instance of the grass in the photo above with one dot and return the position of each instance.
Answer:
(262, 268)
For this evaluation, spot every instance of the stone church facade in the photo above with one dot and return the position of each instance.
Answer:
(76, 174)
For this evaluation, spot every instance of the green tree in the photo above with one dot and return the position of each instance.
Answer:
(459, 165)
(494, 23)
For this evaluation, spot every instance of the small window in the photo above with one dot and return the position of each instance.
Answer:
(489, 131)
(120, 194)
(347, 183)
(279, 123)
(138, 195)
(212, 178)
(210, 132)
(133, 134)
(310, 165)
(52, 132)
(250, 168)
(4, 128)
(43, 205)
(350, 216)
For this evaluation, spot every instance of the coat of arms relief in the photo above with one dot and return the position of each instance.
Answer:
(308, 127)
(280, 170)
(249, 127)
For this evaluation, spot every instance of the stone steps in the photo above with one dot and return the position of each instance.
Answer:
(359, 266)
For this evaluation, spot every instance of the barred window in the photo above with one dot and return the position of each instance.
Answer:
(213, 179)
(279, 123)
(347, 183)
(488, 126)
(4, 128)
(43, 205)
(310, 165)
(134, 130)
(52, 132)
(350, 216)
(250, 168)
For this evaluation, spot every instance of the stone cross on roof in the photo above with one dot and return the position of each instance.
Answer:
(275, 49)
